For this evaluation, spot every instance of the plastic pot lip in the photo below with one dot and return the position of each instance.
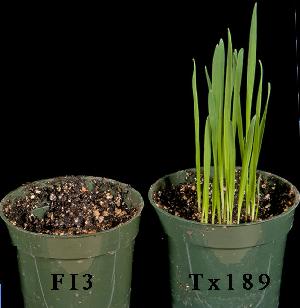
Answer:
(120, 226)
(192, 222)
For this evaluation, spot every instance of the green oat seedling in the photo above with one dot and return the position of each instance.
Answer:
(223, 124)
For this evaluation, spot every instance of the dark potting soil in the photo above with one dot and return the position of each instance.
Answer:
(275, 197)
(74, 207)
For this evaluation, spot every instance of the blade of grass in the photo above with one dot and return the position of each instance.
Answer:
(237, 114)
(208, 79)
(258, 196)
(245, 167)
(207, 161)
(251, 66)
(226, 121)
(232, 163)
(256, 150)
(263, 120)
(197, 136)
(218, 72)
(226, 149)
(214, 126)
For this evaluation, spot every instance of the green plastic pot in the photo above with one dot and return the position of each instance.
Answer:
(231, 253)
(105, 256)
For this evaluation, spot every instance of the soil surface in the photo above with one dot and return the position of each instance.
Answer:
(74, 207)
(275, 197)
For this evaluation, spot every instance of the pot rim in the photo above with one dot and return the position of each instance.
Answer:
(180, 219)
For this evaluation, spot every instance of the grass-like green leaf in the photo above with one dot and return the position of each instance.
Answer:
(251, 65)
(228, 81)
(207, 79)
(218, 66)
(263, 120)
(218, 76)
(245, 166)
(256, 149)
(232, 164)
(207, 160)
(197, 136)
(237, 119)
(258, 196)
(214, 131)
(227, 123)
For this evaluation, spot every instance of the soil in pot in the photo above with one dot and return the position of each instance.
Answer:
(181, 200)
(73, 207)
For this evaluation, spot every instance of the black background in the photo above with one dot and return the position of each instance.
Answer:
(106, 91)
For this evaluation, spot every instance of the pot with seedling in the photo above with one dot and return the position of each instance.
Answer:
(75, 239)
(227, 225)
